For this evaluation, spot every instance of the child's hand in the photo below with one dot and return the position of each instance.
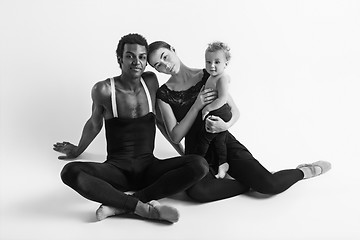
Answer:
(223, 168)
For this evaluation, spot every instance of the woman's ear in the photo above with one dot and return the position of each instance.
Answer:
(172, 49)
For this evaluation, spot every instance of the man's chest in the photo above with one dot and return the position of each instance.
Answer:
(132, 105)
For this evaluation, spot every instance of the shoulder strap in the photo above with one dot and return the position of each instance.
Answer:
(147, 94)
(113, 98)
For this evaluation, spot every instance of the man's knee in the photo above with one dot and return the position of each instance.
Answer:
(69, 173)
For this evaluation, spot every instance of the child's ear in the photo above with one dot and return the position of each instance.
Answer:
(226, 63)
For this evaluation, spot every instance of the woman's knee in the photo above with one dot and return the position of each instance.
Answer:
(199, 193)
(268, 186)
(199, 166)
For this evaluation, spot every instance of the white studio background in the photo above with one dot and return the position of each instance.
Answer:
(294, 69)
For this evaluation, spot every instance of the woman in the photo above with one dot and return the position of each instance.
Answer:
(180, 101)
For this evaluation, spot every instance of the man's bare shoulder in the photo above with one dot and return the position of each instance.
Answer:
(101, 89)
(151, 80)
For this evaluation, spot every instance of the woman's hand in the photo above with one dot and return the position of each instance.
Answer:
(69, 149)
(214, 124)
(205, 97)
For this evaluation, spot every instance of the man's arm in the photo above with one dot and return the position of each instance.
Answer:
(90, 131)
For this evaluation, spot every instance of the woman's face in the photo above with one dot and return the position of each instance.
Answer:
(165, 61)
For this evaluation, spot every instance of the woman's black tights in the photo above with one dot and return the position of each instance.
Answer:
(247, 172)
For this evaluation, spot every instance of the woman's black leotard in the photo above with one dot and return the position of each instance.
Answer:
(247, 171)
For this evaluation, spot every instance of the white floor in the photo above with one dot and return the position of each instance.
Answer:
(295, 78)
(35, 204)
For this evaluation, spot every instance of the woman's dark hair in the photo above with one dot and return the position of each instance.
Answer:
(157, 45)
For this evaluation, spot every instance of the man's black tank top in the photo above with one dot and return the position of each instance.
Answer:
(130, 142)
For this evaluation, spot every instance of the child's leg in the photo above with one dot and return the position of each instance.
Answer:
(204, 141)
(220, 147)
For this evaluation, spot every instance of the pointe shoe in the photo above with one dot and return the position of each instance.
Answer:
(323, 165)
(164, 212)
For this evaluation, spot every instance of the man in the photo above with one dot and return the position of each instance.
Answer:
(125, 103)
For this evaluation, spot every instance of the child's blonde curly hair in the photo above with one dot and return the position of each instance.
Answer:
(216, 46)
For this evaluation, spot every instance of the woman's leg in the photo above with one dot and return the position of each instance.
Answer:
(246, 169)
(212, 189)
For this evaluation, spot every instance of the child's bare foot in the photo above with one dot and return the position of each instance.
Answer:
(223, 168)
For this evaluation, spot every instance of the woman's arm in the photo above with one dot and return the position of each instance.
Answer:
(178, 130)
(215, 124)
(161, 126)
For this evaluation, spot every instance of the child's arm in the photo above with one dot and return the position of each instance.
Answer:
(222, 87)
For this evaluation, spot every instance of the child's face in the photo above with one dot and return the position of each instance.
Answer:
(215, 62)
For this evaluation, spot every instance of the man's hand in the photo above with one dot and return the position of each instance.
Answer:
(69, 149)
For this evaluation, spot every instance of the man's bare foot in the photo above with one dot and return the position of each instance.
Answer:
(105, 211)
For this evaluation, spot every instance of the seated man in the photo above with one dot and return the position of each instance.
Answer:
(126, 104)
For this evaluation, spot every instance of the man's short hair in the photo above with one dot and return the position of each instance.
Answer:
(132, 38)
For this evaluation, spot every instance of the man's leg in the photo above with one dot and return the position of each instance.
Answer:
(164, 178)
(104, 183)
(99, 182)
